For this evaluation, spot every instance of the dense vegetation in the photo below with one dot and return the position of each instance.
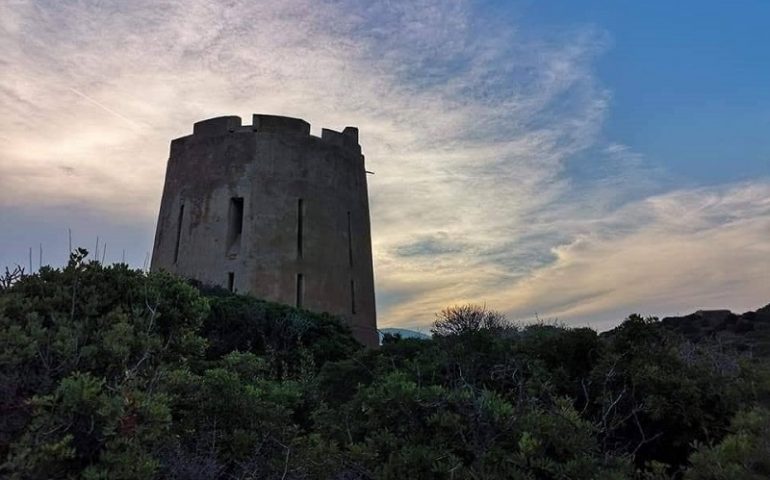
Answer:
(110, 373)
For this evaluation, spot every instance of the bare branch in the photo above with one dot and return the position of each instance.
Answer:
(459, 319)
(10, 277)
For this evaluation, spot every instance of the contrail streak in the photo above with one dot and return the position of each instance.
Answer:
(107, 109)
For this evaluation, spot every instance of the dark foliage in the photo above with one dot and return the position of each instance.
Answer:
(110, 373)
(246, 324)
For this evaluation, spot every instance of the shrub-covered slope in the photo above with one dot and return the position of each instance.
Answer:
(747, 332)
(110, 373)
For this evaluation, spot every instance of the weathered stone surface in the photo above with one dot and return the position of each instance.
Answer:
(302, 206)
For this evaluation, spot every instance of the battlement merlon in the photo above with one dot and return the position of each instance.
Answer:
(348, 138)
(216, 126)
(278, 124)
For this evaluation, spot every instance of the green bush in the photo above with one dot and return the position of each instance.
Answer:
(744, 454)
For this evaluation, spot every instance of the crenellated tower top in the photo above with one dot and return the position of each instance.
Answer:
(275, 124)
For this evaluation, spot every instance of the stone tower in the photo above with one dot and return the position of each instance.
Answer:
(270, 210)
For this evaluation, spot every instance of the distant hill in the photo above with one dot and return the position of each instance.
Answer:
(748, 331)
(404, 333)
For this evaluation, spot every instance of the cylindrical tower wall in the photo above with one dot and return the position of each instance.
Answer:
(270, 210)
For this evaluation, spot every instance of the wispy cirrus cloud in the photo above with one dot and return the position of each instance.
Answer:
(492, 181)
(666, 254)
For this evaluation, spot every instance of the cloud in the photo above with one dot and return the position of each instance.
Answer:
(670, 253)
(439, 244)
(492, 179)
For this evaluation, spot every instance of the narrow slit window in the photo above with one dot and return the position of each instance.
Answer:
(235, 224)
(231, 281)
(300, 225)
(300, 290)
(350, 242)
(353, 297)
(178, 232)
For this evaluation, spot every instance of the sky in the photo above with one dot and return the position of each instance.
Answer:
(560, 160)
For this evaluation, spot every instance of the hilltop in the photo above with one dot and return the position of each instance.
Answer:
(747, 332)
